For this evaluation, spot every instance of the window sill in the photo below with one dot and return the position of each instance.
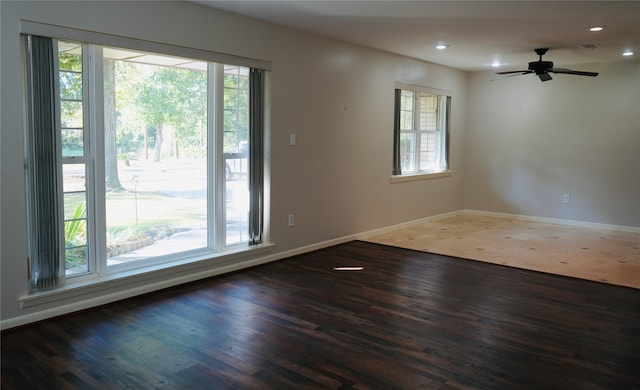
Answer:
(149, 279)
(419, 176)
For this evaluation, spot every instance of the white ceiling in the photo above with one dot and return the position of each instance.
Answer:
(478, 32)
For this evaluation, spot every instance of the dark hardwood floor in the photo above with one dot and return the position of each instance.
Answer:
(408, 320)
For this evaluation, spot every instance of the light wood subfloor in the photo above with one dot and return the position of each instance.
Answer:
(609, 256)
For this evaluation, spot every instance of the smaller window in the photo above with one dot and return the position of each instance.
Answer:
(421, 132)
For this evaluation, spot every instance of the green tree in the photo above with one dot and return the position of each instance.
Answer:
(174, 97)
(131, 126)
(191, 130)
(110, 137)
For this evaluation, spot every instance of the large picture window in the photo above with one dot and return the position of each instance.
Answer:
(421, 132)
(151, 156)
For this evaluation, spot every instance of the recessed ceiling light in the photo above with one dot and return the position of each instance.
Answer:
(495, 64)
(441, 46)
(627, 53)
(596, 28)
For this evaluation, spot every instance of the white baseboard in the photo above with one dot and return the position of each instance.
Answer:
(557, 221)
(387, 229)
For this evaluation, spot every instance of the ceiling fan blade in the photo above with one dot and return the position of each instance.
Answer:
(544, 76)
(515, 71)
(507, 76)
(576, 72)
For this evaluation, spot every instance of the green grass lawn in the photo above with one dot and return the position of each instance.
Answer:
(154, 208)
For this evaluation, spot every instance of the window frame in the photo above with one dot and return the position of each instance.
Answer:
(443, 131)
(93, 157)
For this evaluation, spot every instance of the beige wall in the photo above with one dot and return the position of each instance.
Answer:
(530, 142)
(337, 98)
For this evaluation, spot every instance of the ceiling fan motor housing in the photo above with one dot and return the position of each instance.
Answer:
(540, 66)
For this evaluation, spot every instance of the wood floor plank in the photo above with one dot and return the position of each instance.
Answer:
(407, 320)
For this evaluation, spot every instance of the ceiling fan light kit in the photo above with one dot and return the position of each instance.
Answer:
(543, 68)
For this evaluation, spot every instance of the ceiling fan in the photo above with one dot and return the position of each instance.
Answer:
(543, 68)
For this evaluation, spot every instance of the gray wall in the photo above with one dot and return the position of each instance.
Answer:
(530, 142)
(337, 98)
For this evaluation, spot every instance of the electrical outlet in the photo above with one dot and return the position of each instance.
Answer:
(566, 198)
(292, 139)
(291, 222)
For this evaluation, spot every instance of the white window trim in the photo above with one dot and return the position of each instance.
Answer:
(216, 175)
(419, 176)
(135, 281)
(420, 88)
(85, 36)
(95, 188)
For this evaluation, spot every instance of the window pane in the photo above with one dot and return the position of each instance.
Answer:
(407, 154)
(72, 142)
(76, 260)
(75, 218)
(155, 155)
(406, 110)
(428, 151)
(71, 113)
(72, 201)
(428, 112)
(70, 56)
(71, 85)
(74, 178)
(406, 100)
(236, 149)
(236, 108)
